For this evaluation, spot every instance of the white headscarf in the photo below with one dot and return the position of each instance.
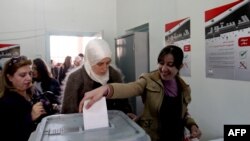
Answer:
(95, 51)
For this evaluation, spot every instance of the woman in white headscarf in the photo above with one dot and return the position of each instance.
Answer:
(96, 71)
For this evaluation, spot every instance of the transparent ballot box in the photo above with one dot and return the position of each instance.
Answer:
(69, 127)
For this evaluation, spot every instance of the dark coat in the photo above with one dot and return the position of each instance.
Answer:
(53, 86)
(50, 95)
(78, 83)
(15, 121)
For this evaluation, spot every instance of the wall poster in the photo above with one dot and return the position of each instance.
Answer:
(7, 51)
(178, 33)
(227, 34)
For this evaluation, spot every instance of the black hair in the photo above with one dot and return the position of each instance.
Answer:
(176, 52)
(81, 55)
(42, 69)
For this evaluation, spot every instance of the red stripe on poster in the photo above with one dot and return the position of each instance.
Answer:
(212, 13)
(6, 45)
(171, 25)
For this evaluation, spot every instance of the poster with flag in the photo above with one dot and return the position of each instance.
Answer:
(227, 33)
(178, 33)
(7, 51)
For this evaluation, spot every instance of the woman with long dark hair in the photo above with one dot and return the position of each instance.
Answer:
(65, 68)
(48, 88)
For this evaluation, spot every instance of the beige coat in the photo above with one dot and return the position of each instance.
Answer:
(150, 87)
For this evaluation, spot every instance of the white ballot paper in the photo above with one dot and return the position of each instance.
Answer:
(96, 116)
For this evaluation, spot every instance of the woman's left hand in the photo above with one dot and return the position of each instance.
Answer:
(195, 132)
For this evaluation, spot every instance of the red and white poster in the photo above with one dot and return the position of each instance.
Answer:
(7, 51)
(227, 34)
(178, 33)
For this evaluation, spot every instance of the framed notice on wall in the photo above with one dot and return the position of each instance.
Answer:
(7, 51)
(227, 34)
(178, 33)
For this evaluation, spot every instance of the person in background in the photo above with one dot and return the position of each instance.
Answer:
(77, 61)
(95, 72)
(82, 57)
(54, 69)
(47, 87)
(65, 68)
(18, 114)
(165, 96)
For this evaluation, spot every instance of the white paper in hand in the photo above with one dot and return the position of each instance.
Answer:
(96, 116)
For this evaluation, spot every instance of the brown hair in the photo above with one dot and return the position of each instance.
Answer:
(10, 67)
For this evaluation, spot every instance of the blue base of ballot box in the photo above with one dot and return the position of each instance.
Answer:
(69, 127)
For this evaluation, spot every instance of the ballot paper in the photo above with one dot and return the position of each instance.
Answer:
(96, 116)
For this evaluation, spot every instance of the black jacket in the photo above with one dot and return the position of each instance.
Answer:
(15, 117)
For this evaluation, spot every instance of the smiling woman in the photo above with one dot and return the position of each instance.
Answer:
(165, 95)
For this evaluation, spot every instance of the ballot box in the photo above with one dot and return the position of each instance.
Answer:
(69, 127)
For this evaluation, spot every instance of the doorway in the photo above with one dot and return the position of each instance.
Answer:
(62, 45)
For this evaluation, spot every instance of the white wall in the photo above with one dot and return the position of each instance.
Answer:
(215, 102)
(28, 22)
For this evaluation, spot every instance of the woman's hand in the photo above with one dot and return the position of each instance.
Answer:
(132, 116)
(37, 110)
(93, 96)
(195, 132)
(56, 107)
